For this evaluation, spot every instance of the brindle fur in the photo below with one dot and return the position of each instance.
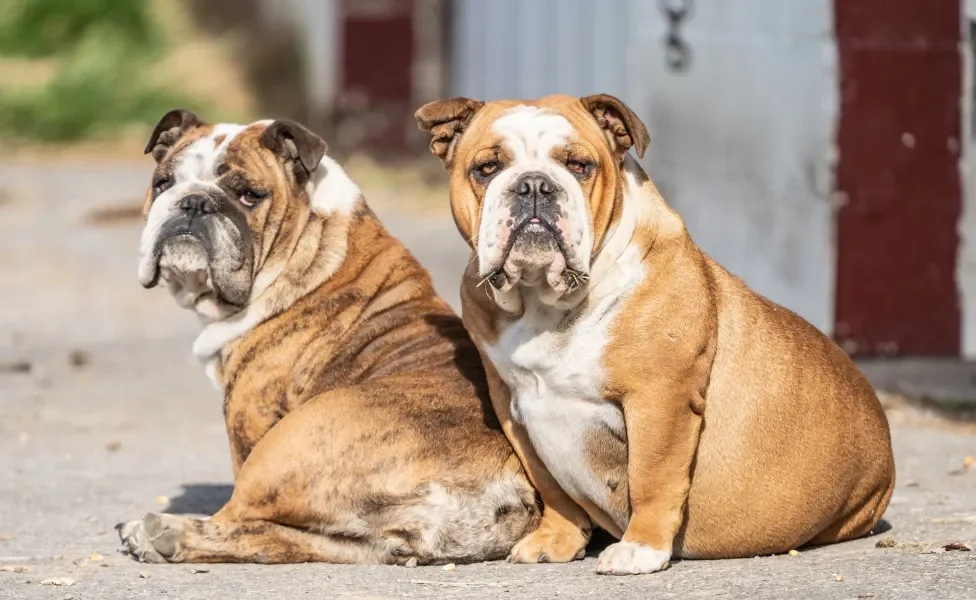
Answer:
(357, 409)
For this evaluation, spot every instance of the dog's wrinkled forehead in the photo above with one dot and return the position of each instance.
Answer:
(532, 132)
(201, 158)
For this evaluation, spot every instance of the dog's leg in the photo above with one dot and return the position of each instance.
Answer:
(662, 436)
(173, 538)
(565, 527)
(323, 486)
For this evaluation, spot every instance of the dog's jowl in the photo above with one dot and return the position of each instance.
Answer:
(356, 405)
(645, 389)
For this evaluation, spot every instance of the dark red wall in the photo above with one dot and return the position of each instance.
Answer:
(377, 57)
(899, 143)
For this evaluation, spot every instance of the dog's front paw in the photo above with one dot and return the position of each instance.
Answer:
(631, 558)
(549, 545)
(154, 538)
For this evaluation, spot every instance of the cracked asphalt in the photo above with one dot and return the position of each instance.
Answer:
(104, 415)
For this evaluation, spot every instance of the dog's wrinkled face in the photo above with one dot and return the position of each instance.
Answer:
(220, 197)
(534, 185)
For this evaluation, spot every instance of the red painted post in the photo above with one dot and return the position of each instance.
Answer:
(898, 177)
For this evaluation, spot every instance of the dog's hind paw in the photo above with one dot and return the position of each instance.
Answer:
(152, 539)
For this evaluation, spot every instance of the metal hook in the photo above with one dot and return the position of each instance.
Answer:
(677, 52)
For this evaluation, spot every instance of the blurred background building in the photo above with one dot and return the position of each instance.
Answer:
(820, 149)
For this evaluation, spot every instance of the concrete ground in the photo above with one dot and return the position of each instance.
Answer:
(104, 416)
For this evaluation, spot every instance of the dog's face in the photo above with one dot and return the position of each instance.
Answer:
(535, 186)
(220, 198)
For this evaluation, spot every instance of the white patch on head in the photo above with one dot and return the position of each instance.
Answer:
(331, 190)
(530, 134)
(198, 162)
(631, 558)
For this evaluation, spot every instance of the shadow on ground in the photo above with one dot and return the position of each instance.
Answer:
(200, 499)
(601, 539)
(883, 526)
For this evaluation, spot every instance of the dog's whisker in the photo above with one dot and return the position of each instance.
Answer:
(482, 285)
(575, 279)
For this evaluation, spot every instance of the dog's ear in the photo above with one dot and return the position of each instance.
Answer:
(446, 120)
(294, 144)
(622, 126)
(170, 128)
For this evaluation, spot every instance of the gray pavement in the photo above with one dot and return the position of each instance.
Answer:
(104, 415)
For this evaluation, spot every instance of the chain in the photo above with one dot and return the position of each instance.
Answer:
(677, 53)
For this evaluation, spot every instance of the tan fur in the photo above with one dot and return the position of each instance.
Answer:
(747, 430)
(357, 409)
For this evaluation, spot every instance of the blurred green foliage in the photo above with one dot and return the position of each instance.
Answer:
(42, 28)
(102, 50)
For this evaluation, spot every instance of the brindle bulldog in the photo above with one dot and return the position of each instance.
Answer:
(355, 403)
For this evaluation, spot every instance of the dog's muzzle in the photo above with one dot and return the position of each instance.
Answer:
(534, 201)
(200, 237)
(535, 240)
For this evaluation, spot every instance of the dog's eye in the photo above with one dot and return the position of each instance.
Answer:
(577, 167)
(251, 197)
(162, 185)
(486, 169)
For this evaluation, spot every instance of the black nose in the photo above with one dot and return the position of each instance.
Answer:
(198, 203)
(535, 186)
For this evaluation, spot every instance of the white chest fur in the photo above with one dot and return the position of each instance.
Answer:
(552, 362)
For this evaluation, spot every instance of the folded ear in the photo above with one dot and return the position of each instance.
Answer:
(446, 120)
(295, 146)
(171, 128)
(622, 126)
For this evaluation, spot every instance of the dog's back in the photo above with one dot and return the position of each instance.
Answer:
(376, 318)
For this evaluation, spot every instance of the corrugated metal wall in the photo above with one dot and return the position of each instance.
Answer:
(318, 25)
(741, 143)
(530, 48)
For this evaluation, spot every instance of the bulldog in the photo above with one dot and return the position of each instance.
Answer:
(645, 389)
(356, 405)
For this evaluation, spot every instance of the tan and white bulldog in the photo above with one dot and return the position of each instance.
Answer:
(356, 405)
(645, 389)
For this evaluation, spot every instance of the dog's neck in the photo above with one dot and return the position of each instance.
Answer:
(278, 287)
(313, 256)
